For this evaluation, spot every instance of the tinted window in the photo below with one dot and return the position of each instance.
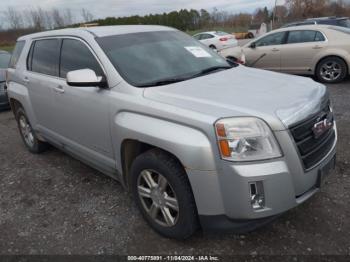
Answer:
(221, 33)
(206, 36)
(4, 60)
(327, 22)
(45, 58)
(319, 37)
(16, 54)
(273, 39)
(304, 36)
(75, 56)
(144, 59)
(198, 37)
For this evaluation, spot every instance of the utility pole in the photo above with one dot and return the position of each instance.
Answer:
(274, 14)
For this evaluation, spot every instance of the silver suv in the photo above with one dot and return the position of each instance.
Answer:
(198, 140)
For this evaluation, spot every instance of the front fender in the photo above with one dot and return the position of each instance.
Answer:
(191, 146)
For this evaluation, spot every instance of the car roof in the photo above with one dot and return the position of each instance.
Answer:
(303, 27)
(99, 31)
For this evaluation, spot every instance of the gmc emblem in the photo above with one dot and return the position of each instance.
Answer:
(321, 127)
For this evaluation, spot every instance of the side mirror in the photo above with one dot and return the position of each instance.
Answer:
(252, 45)
(85, 77)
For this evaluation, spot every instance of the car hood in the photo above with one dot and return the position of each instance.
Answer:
(279, 99)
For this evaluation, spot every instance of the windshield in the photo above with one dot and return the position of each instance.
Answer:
(4, 60)
(161, 57)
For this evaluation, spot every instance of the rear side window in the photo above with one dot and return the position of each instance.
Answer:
(16, 54)
(304, 36)
(44, 57)
(75, 56)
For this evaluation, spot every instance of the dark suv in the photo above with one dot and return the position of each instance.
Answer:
(337, 21)
(4, 62)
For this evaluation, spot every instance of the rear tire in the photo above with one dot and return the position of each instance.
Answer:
(33, 144)
(162, 192)
(331, 70)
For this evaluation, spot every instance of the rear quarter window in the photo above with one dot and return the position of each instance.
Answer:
(16, 54)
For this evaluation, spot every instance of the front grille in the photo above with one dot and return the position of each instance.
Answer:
(312, 148)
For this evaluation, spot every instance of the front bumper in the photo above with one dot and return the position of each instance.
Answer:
(223, 197)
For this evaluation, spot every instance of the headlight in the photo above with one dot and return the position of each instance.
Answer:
(246, 139)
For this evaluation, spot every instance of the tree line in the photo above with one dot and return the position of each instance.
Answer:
(39, 19)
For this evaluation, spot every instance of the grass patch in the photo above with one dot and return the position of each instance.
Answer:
(8, 48)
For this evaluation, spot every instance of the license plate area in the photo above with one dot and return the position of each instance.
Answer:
(325, 171)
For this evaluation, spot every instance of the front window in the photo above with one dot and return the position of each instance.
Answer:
(273, 39)
(156, 58)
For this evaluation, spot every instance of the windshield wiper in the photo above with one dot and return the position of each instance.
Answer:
(180, 79)
(210, 70)
(163, 82)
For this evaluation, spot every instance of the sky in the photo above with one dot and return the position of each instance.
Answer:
(104, 8)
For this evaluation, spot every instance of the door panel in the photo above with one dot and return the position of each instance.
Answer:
(265, 57)
(82, 113)
(265, 52)
(40, 78)
(300, 50)
(82, 116)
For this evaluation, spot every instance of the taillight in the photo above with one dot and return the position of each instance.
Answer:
(223, 39)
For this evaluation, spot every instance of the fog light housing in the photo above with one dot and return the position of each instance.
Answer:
(257, 196)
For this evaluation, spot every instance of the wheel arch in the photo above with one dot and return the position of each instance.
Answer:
(130, 149)
(329, 56)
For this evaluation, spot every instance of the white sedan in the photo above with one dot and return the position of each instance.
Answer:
(217, 40)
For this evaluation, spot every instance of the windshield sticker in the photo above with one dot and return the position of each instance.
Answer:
(197, 51)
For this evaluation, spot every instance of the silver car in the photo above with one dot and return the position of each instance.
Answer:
(199, 141)
(4, 62)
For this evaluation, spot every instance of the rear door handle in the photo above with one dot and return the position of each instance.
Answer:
(317, 47)
(59, 89)
(275, 50)
(26, 79)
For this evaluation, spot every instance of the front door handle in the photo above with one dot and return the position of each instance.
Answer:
(275, 50)
(59, 89)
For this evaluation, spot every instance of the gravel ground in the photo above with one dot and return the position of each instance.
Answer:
(53, 204)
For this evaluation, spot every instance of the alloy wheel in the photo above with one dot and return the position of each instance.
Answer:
(158, 198)
(331, 71)
(26, 131)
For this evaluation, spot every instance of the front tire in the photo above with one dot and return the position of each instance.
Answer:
(331, 70)
(163, 194)
(33, 144)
